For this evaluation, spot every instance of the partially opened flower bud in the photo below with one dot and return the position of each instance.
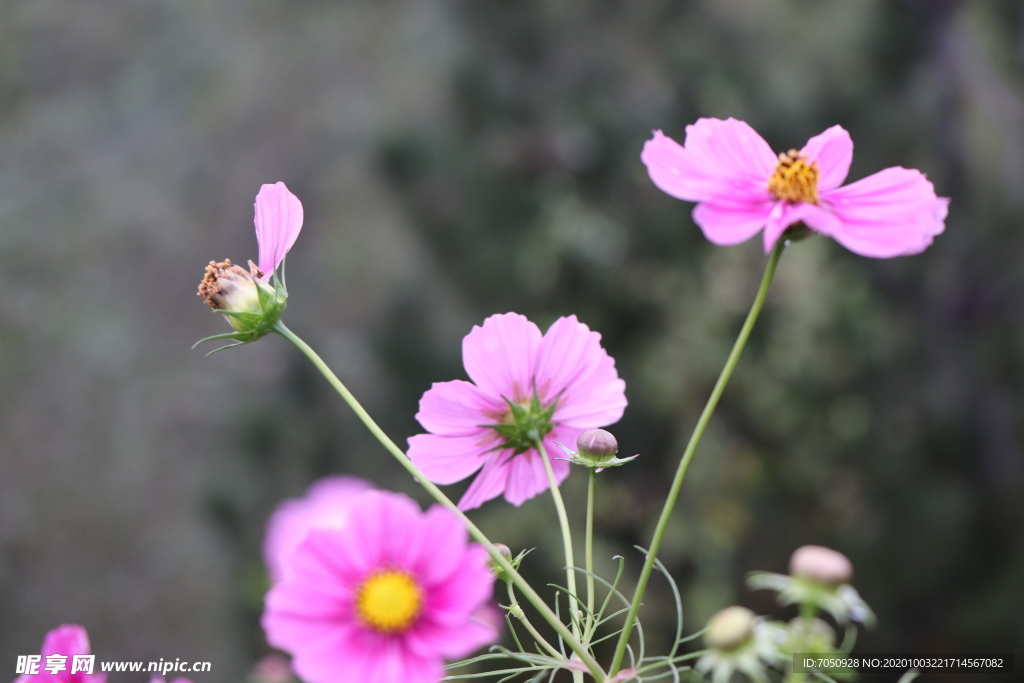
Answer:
(730, 628)
(821, 564)
(251, 305)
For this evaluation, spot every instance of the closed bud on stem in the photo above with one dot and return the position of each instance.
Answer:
(596, 449)
(730, 629)
(821, 564)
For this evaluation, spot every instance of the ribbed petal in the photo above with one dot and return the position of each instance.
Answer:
(894, 212)
(833, 151)
(278, 222)
(527, 477)
(490, 483)
(725, 161)
(450, 642)
(442, 549)
(499, 356)
(448, 459)
(571, 363)
(726, 224)
(325, 505)
(387, 529)
(458, 407)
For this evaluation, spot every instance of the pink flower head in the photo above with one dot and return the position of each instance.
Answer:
(59, 649)
(325, 506)
(741, 186)
(386, 598)
(525, 385)
(278, 222)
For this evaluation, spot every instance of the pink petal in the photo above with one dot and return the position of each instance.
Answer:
(527, 477)
(571, 364)
(490, 483)
(443, 548)
(325, 505)
(450, 642)
(894, 212)
(725, 161)
(278, 222)
(728, 224)
(458, 407)
(499, 356)
(334, 653)
(786, 214)
(67, 639)
(453, 601)
(387, 529)
(448, 459)
(833, 150)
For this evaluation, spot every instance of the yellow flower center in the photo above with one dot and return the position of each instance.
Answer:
(794, 180)
(389, 601)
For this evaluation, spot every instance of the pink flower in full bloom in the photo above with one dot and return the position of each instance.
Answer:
(386, 598)
(742, 187)
(325, 505)
(59, 649)
(524, 386)
(278, 222)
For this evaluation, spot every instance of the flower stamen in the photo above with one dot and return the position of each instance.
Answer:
(795, 180)
(389, 601)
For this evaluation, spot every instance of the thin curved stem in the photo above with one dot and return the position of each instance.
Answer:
(691, 447)
(570, 562)
(525, 621)
(563, 522)
(546, 612)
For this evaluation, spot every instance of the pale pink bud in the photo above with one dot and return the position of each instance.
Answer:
(821, 564)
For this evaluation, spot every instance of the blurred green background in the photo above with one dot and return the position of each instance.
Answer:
(459, 158)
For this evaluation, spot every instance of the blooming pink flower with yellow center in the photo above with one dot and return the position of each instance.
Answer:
(526, 387)
(63, 643)
(742, 187)
(326, 505)
(386, 598)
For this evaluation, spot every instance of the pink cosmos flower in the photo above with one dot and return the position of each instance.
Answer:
(278, 222)
(62, 644)
(385, 599)
(326, 505)
(741, 186)
(525, 385)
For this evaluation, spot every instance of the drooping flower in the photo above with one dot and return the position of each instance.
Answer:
(525, 387)
(326, 505)
(246, 298)
(59, 663)
(742, 187)
(386, 598)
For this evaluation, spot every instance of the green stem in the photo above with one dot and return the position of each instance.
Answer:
(527, 590)
(691, 447)
(589, 559)
(526, 623)
(570, 562)
(807, 612)
(563, 522)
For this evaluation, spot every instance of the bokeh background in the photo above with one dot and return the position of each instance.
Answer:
(459, 158)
